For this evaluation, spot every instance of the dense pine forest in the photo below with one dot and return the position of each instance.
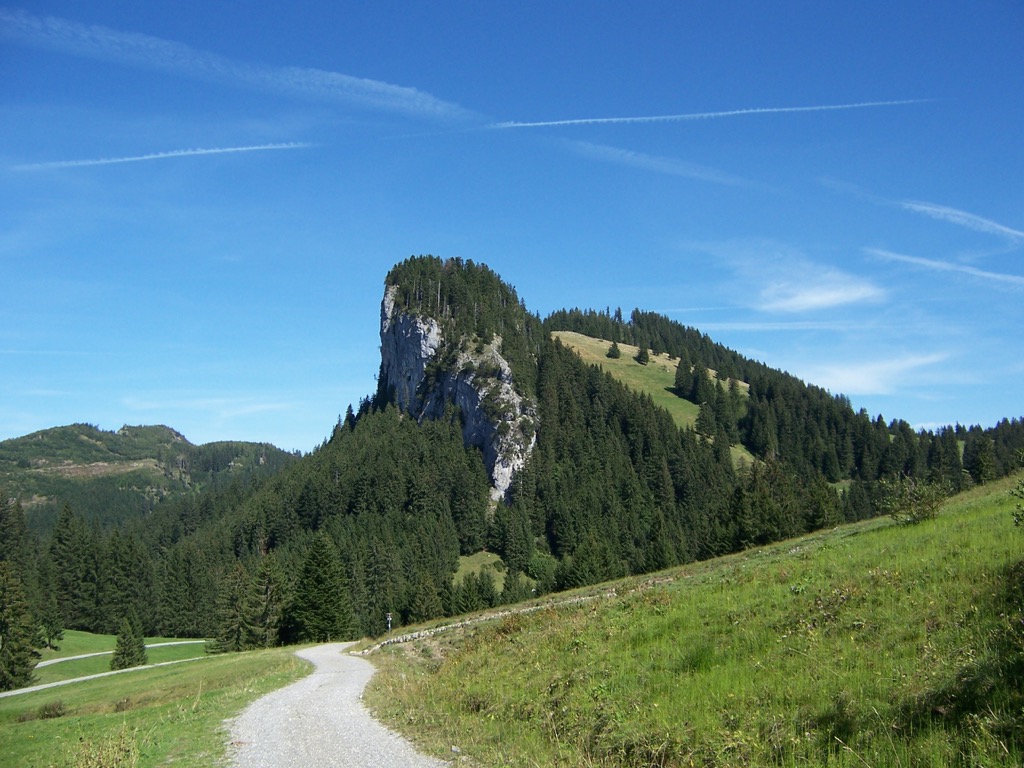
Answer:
(373, 522)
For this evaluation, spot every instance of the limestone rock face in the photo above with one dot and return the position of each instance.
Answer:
(497, 419)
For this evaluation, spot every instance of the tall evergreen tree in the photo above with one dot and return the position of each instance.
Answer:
(236, 612)
(321, 610)
(130, 649)
(74, 550)
(643, 355)
(18, 637)
(267, 601)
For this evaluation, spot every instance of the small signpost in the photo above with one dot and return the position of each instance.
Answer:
(389, 622)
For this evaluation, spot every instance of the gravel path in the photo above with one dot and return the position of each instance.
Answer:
(111, 653)
(69, 681)
(320, 721)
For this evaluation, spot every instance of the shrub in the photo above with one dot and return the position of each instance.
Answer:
(909, 500)
(52, 709)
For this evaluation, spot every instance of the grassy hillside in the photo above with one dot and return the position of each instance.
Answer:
(150, 717)
(656, 379)
(867, 645)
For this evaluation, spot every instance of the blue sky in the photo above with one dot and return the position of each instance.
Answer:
(198, 205)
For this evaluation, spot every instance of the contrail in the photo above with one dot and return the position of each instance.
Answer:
(658, 164)
(945, 266)
(135, 49)
(706, 115)
(962, 218)
(157, 156)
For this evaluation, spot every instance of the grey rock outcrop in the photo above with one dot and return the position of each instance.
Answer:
(497, 419)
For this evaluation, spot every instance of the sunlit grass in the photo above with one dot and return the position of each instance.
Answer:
(656, 379)
(67, 670)
(867, 645)
(75, 643)
(170, 715)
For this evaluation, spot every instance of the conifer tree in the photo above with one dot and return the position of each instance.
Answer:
(614, 352)
(18, 655)
(130, 650)
(683, 377)
(267, 601)
(236, 611)
(321, 610)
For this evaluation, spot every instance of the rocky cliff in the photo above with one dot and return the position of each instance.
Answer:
(424, 372)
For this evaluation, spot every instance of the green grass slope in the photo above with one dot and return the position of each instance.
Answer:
(868, 645)
(149, 717)
(656, 379)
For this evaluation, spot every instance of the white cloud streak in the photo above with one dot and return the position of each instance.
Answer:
(704, 115)
(824, 289)
(773, 327)
(784, 280)
(157, 156)
(961, 218)
(665, 165)
(880, 377)
(218, 407)
(946, 266)
(131, 48)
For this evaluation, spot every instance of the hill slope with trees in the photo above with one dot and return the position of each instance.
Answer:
(613, 486)
(111, 477)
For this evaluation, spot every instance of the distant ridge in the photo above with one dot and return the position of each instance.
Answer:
(114, 476)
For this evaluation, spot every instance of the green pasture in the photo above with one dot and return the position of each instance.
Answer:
(867, 645)
(656, 379)
(152, 716)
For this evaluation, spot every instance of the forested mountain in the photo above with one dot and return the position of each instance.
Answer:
(111, 477)
(484, 433)
(814, 432)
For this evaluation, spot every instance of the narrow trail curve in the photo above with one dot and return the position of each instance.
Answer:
(320, 722)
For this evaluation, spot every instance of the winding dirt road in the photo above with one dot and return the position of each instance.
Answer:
(320, 722)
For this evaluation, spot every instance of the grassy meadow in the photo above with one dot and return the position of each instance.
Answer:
(76, 643)
(867, 645)
(94, 665)
(656, 379)
(146, 717)
(479, 563)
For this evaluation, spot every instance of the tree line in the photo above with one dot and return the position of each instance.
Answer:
(372, 522)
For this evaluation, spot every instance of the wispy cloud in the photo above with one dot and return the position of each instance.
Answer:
(156, 156)
(775, 326)
(781, 279)
(871, 377)
(136, 49)
(705, 115)
(217, 407)
(666, 165)
(961, 218)
(824, 288)
(946, 266)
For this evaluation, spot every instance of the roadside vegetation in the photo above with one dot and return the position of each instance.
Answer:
(872, 644)
(146, 717)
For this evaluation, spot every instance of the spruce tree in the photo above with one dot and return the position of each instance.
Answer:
(267, 600)
(18, 656)
(614, 352)
(321, 610)
(683, 377)
(130, 650)
(236, 612)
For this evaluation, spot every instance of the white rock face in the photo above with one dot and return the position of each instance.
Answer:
(496, 418)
